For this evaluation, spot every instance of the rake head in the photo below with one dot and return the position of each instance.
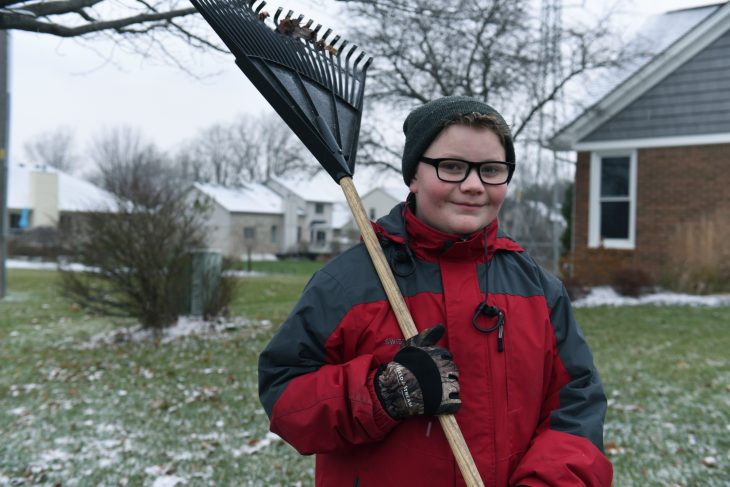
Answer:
(314, 82)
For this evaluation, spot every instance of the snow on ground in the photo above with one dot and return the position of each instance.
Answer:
(606, 296)
(599, 296)
(37, 264)
(186, 326)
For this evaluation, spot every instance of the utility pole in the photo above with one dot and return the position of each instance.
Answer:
(4, 139)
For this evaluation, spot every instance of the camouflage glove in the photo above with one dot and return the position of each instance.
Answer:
(421, 379)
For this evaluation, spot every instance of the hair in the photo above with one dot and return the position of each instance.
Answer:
(481, 120)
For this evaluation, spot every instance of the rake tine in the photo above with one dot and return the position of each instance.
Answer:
(258, 9)
(276, 15)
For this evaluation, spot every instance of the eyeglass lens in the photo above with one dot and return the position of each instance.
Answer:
(457, 171)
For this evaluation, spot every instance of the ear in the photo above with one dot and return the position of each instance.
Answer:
(413, 186)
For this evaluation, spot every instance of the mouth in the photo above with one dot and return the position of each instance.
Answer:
(469, 205)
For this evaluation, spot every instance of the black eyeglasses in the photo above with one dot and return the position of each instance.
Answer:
(456, 170)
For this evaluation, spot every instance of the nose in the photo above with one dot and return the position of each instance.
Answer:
(472, 183)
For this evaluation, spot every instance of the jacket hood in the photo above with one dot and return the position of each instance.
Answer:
(401, 226)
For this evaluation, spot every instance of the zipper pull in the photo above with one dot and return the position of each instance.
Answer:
(500, 337)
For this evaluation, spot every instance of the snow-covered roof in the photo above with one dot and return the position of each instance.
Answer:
(317, 189)
(398, 193)
(74, 194)
(247, 198)
(654, 44)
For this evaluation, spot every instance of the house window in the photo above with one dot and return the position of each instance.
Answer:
(613, 200)
(319, 208)
(274, 234)
(372, 213)
(249, 233)
(15, 221)
(321, 237)
(299, 234)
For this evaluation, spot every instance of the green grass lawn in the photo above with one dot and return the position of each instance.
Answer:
(131, 413)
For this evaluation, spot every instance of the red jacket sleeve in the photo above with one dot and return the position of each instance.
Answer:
(566, 450)
(315, 405)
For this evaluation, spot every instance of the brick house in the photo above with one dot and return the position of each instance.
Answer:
(653, 153)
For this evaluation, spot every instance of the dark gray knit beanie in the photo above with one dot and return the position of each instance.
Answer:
(424, 123)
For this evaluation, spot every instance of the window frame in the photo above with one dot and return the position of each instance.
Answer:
(595, 200)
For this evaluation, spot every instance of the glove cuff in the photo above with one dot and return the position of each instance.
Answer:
(420, 363)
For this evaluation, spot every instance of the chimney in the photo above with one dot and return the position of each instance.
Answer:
(44, 198)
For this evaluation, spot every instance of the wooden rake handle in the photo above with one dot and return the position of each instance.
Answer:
(408, 327)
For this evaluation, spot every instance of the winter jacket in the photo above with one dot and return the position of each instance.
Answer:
(532, 414)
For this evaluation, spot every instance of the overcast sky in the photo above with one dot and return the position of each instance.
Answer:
(57, 83)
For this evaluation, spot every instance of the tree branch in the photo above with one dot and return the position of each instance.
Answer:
(25, 23)
(43, 9)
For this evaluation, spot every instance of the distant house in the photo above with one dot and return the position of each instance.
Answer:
(377, 203)
(653, 152)
(313, 198)
(42, 196)
(246, 220)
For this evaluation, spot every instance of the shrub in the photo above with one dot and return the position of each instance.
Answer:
(39, 242)
(576, 289)
(631, 281)
(140, 253)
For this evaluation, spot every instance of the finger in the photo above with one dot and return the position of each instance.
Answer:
(430, 336)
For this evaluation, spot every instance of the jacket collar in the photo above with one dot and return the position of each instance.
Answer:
(402, 226)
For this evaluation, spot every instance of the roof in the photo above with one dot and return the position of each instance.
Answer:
(247, 198)
(672, 38)
(74, 194)
(317, 189)
(398, 193)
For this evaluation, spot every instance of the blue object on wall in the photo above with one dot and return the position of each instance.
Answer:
(24, 217)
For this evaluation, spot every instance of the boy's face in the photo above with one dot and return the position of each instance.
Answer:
(459, 208)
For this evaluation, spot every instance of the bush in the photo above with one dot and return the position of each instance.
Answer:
(631, 281)
(576, 289)
(40, 242)
(140, 254)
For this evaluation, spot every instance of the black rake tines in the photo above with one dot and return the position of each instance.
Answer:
(314, 82)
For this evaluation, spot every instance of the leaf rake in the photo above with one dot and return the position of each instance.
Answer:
(320, 96)
(315, 84)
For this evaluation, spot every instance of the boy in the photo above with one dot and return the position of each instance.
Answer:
(498, 345)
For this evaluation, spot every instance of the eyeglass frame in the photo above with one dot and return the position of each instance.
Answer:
(471, 165)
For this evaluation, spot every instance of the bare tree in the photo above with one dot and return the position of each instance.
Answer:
(280, 152)
(129, 166)
(250, 149)
(54, 148)
(494, 50)
(136, 23)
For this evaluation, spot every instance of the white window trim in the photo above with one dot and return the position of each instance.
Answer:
(594, 209)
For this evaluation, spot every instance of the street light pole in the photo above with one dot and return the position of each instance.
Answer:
(4, 139)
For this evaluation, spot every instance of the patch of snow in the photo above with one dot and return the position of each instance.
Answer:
(254, 446)
(185, 327)
(19, 411)
(48, 266)
(607, 296)
(54, 456)
(167, 481)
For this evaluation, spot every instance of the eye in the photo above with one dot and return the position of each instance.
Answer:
(492, 169)
(454, 167)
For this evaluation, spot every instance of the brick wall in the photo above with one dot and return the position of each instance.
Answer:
(674, 185)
